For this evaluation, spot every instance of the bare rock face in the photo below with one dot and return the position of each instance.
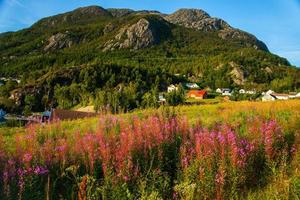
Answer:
(196, 19)
(60, 41)
(237, 74)
(187, 17)
(200, 20)
(137, 36)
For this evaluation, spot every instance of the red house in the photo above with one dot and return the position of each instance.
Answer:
(197, 94)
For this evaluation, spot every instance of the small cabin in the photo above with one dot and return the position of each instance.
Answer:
(172, 88)
(242, 91)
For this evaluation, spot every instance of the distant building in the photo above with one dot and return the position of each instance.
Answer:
(219, 90)
(197, 94)
(172, 88)
(59, 114)
(242, 91)
(226, 92)
(250, 91)
(293, 95)
(268, 97)
(161, 98)
(280, 96)
(192, 86)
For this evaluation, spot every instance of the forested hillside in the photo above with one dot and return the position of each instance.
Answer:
(93, 51)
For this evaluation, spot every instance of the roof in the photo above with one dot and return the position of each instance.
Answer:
(280, 95)
(197, 92)
(69, 114)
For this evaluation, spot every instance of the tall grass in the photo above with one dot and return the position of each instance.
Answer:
(157, 156)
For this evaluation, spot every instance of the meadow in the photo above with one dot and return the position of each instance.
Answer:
(233, 150)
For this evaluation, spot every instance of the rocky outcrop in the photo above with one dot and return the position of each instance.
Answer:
(120, 12)
(237, 74)
(60, 41)
(136, 36)
(187, 17)
(200, 20)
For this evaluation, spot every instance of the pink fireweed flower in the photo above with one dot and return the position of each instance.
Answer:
(27, 157)
(39, 170)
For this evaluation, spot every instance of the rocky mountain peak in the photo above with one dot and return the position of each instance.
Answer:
(187, 16)
(200, 20)
(120, 12)
(92, 10)
(139, 35)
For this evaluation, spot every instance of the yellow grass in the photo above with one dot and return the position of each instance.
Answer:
(287, 113)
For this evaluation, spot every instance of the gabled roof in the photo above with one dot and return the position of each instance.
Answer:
(197, 92)
(59, 114)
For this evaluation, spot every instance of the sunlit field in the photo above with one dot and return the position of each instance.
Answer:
(234, 150)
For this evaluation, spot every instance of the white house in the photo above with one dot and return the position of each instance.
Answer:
(226, 92)
(268, 97)
(242, 91)
(172, 88)
(292, 95)
(161, 98)
(192, 85)
(219, 90)
(250, 92)
(298, 95)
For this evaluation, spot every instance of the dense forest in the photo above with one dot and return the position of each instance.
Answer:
(124, 58)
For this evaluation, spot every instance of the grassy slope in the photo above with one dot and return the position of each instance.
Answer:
(287, 113)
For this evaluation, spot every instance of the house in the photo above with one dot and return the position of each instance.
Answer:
(192, 86)
(161, 98)
(172, 88)
(268, 97)
(242, 91)
(197, 94)
(59, 114)
(280, 96)
(226, 92)
(250, 92)
(293, 95)
(219, 90)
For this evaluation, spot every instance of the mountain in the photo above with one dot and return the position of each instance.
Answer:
(111, 49)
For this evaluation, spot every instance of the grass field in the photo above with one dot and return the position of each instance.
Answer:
(233, 150)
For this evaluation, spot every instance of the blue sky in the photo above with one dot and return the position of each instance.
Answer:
(276, 22)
